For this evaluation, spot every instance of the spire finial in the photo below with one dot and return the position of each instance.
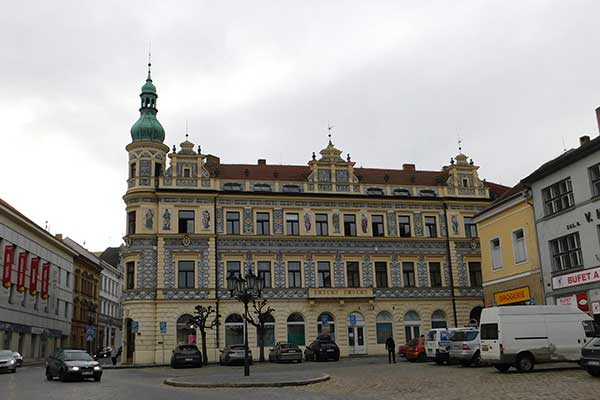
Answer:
(149, 60)
(459, 143)
(186, 130)
(329, 128)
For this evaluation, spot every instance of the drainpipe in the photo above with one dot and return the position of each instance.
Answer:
(449, 256)
(216, 267)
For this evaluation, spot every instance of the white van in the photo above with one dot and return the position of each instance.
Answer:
(437, 344)
(522, 336)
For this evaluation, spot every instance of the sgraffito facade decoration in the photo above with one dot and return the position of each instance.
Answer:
(183, 259)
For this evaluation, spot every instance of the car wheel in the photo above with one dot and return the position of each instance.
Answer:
(422, 357)
(97, 378)
(14, 370)
(525, 362)
(61, 376)
(502, 367)
(48, 375)
(439, 361)
(476, 360)
(595, 372)
(300, 361)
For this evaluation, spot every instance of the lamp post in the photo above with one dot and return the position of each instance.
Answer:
(245, 290)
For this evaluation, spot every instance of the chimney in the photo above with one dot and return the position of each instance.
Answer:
(59, 236)
(262, 161)
(598, 117)
(583, 140)
(408, 167)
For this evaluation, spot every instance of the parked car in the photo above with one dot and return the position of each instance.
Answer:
(72, 364)
(234, 354)
(415, 350)
(186, 355)
(285, 352)
(522, 336)
(322, 349)
(402, 350)
(18, 359)
(464, 347)
(103, 352)
(437, 344)
(7, 361)
(590, 357)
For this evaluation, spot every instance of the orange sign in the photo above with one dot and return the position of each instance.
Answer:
(513, 296)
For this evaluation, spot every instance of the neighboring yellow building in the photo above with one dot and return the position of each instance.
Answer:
(362, 253)
(511, 270)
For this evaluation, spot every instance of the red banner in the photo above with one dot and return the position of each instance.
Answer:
(9, 255)
(33, 278)
(582, 302)
(22, 271)
(45, 280)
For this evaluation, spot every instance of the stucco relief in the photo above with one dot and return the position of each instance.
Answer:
(205, 220)
(166, 220)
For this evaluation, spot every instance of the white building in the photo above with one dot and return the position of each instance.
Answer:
(565, 192)
(111, 286)
(36, 295)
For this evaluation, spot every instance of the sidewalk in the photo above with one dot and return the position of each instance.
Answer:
(256, 379)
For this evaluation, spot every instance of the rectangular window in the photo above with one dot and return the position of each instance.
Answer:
(558, 197)
(430, 227)
(292, 224)
(435, 274)
(404, 228)
(68, 280)
(130, 272)
(566, 252)
(57, 309)
(322, 225)
(377, 225)
(66, 310)
(519, 248)
(470, 228)
(381, 277)
(324, 274)
(233, 222)
(131, 223)
(132, 170)
(186, 221)
(408, 274)
(475, 273)
(233, 268)
(185, 274)
(496, 253)
(264, 273)
(352, 274)
(595, 180)
(349, 225)
(294, 274)
(262, 223)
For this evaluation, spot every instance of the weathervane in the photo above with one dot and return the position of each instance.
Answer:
(329, 128)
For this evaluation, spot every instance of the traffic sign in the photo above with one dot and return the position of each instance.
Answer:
(135, 326)
(352, 319)
(89, 331)
(163, 327)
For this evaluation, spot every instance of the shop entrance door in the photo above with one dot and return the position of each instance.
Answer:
(357, 343)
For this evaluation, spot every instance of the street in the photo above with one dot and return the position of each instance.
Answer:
(351, 379)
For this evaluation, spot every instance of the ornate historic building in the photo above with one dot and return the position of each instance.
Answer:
(362, 253)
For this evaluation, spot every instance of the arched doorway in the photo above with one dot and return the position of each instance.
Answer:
(384, 326)
(130, 344)
(357, 342)
(438, 320)
(296, 329)
(234, 330)
(475, 315)
(326, 325)
(412, 325)
(186, 331)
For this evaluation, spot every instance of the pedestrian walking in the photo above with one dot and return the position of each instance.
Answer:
(114, 355)
(390, 346)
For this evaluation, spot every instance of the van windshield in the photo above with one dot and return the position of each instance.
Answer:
(463, 336)
(431, 336)
(489, 331)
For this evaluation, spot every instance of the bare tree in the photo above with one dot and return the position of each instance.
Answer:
(263, 313)
(203, 321)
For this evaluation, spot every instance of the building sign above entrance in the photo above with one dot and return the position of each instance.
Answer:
(513, 296)
(576, 278)
(342, 293)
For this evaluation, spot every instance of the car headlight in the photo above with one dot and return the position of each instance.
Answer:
(11, 362)
(74, 368)
(97, 368)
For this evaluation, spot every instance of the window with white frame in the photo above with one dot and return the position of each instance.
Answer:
(519, 247)
(496, 253)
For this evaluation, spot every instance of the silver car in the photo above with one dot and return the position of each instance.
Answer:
(234, 354)
(7, 361)
(464, 347)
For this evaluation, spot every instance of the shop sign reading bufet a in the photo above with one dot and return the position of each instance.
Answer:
(576, 278)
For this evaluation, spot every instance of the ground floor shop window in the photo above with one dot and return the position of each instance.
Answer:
(438, 320)
(384, 327)
(295, 328)
(269, 333)
(326, 325)
(412, 325)
(234, 330)
(186, 332)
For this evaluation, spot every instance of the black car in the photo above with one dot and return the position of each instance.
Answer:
(72, 364)
(186, 355)
(103, 352)
(590, 357)
(322, 349)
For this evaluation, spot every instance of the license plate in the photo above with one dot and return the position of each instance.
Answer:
(330, 350)
(188, 359)
(85, 373)
(484, 347)
(594, 363)
(430, 350)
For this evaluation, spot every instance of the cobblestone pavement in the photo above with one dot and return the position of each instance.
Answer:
(365, 378)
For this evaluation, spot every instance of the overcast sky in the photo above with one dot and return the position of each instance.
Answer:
(399, 80)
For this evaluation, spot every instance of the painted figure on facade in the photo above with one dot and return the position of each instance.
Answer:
(149, 219)
(454, 220)
(336, 223)
(205, 220)
(364, 223)
(307, 221)
(166, 220)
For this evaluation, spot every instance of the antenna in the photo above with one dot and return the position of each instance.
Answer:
(563, 143)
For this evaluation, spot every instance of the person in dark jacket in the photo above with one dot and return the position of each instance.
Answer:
(390, 346)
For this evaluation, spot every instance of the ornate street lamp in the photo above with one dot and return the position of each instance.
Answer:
(245, 290)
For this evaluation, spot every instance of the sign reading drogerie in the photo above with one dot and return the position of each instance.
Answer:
(576, 278)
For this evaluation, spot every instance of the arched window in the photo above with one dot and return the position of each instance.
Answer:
(326, 325)
(412, 325)
(269, 334)
(438, 320)
(384, 326)
(234, 330)
(295, 328)
(186, 332)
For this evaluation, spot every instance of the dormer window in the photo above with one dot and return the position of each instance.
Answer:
(232, 187)
(401, 192)
(374, 191)
(262, 187)
(427, 193)
(465, 182)
(291, 188)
